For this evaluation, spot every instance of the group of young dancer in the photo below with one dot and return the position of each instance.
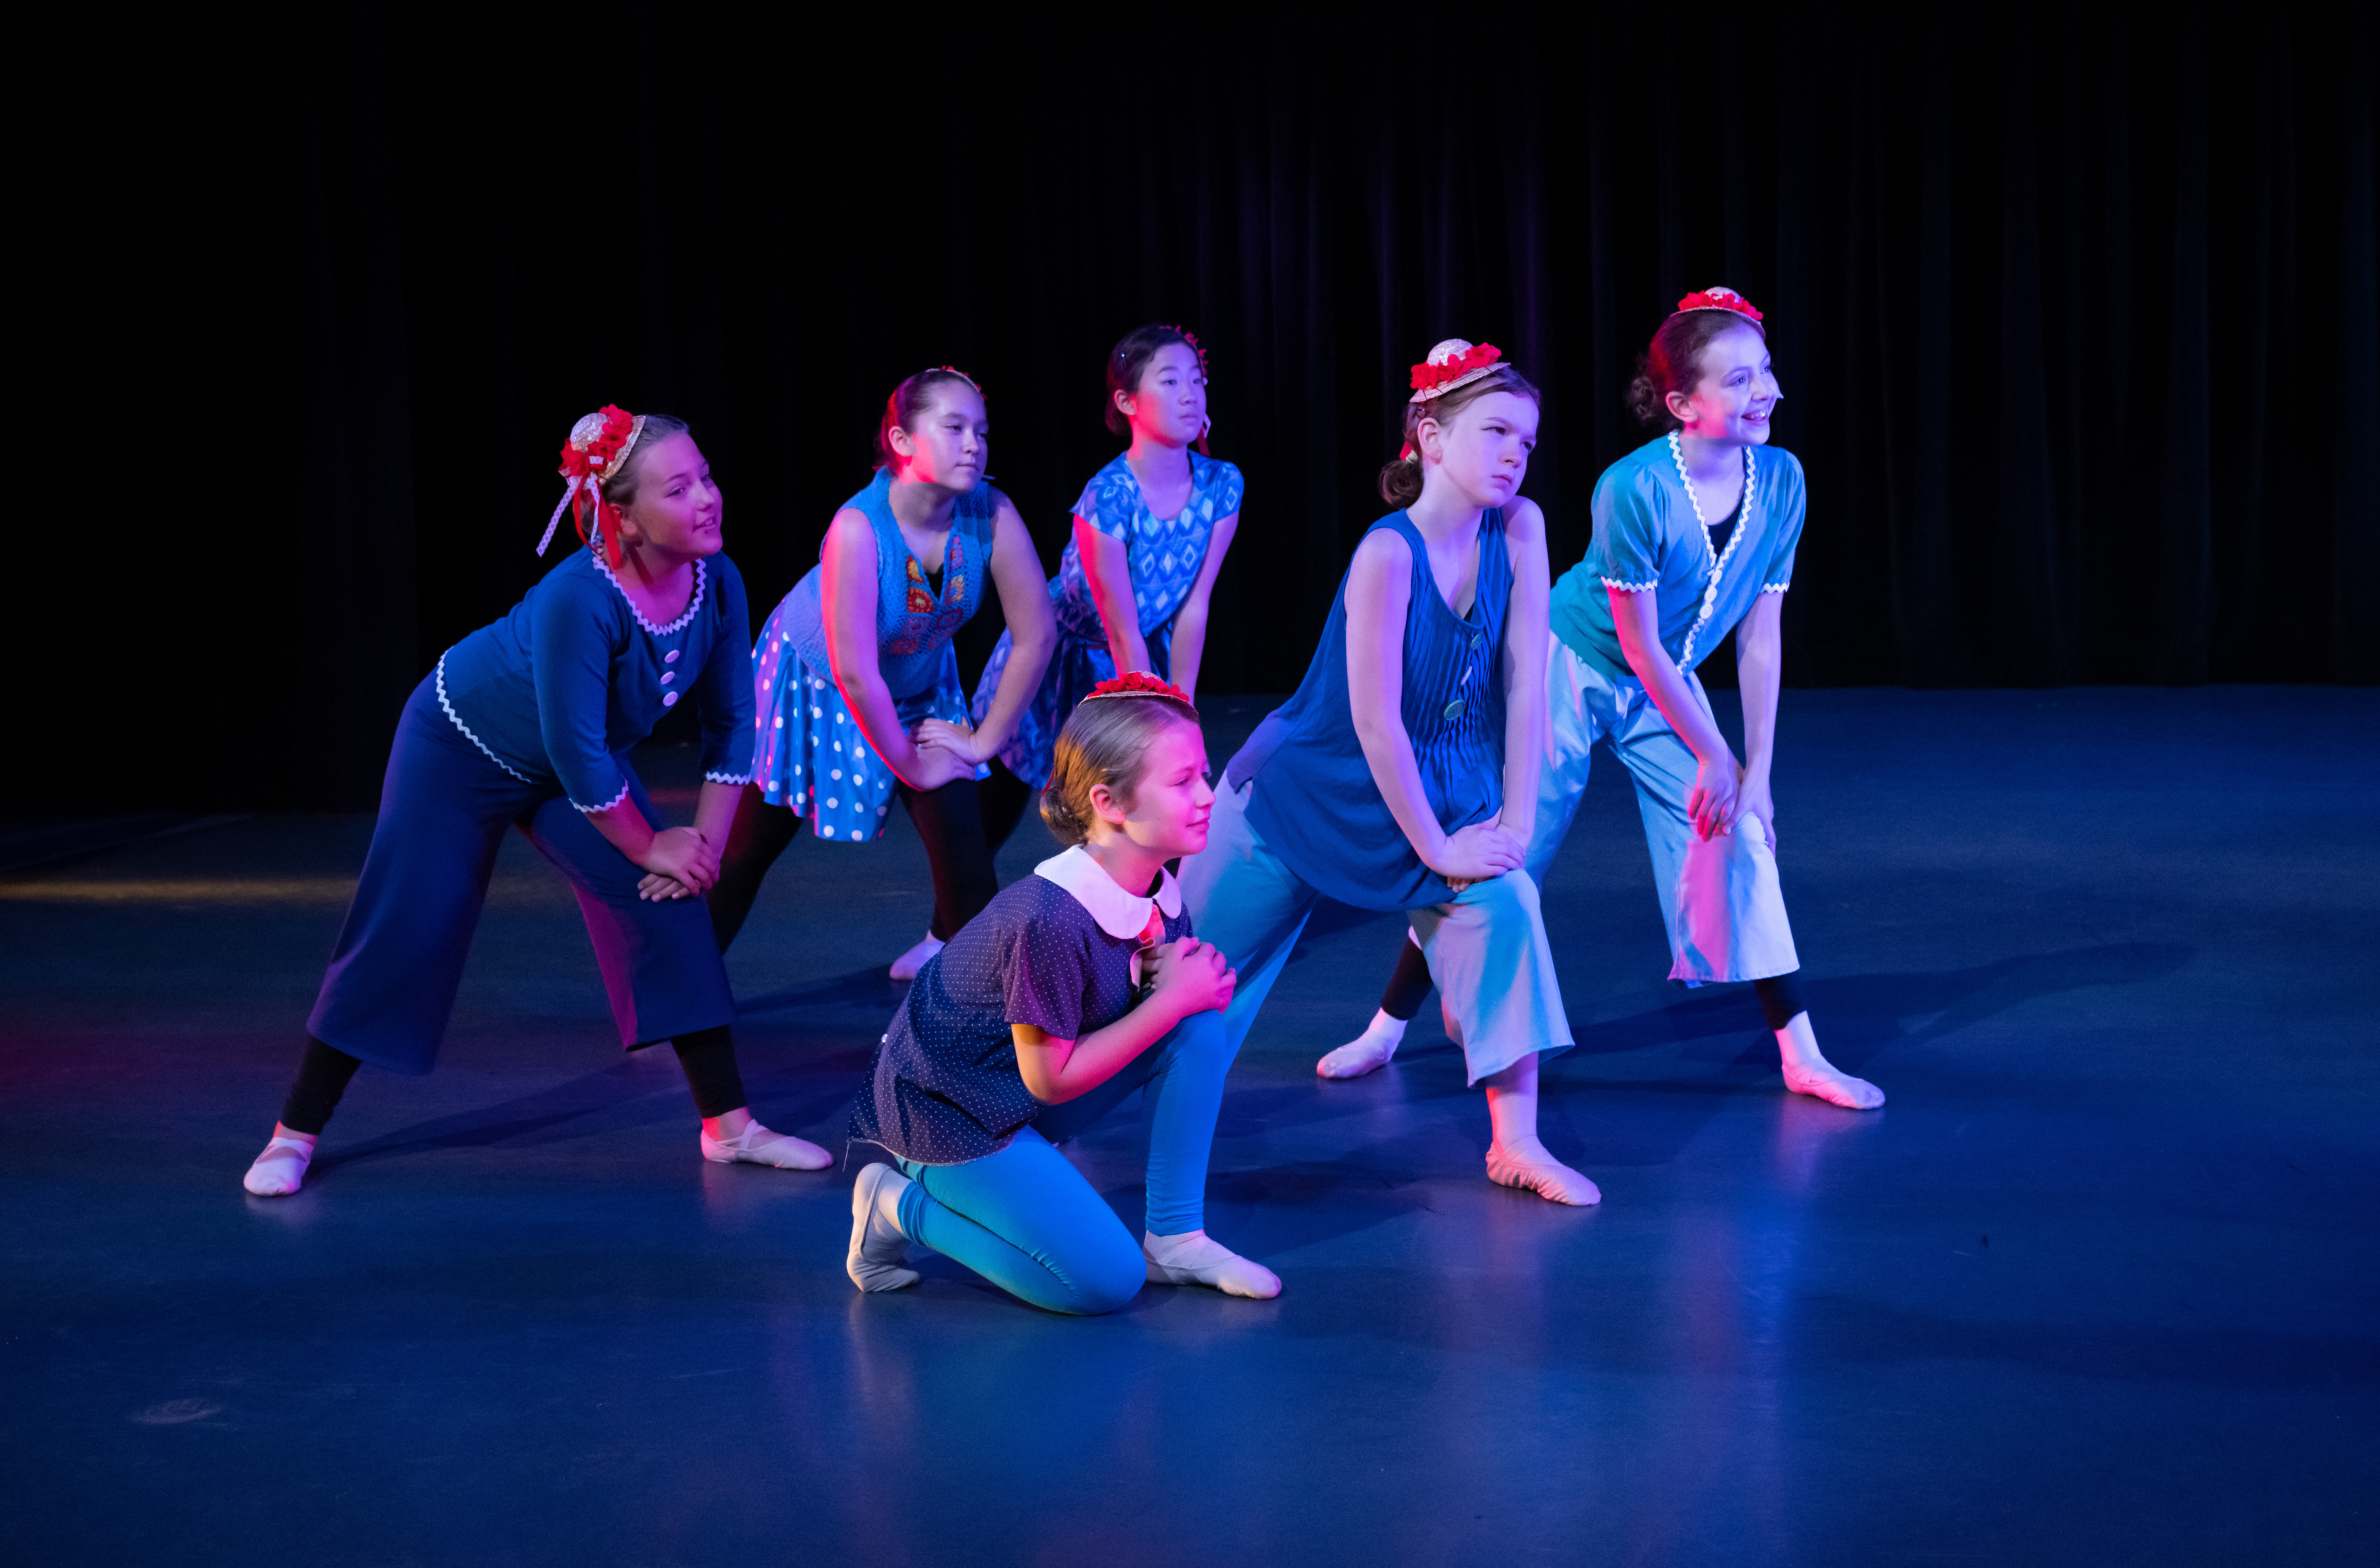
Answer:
(1430, 762)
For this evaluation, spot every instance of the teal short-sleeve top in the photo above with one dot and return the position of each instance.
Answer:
(1648, 539)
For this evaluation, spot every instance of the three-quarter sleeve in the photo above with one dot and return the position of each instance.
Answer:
(1626, 549)
(1790, 504)
(722, 693)
(572, 640)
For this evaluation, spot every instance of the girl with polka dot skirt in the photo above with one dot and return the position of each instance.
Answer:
(1151, 530)
(1078, 985)
(857, 686)
(1403, 773)
(527, 723)
(1694, 535)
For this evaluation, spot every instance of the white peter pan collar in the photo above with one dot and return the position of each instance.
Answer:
(1119, 913)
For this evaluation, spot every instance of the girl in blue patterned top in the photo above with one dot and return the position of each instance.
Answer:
(1151, 530)
(1077, 986)
(1695, 537)
(1403, 773)
(857, 684)
(526, 724)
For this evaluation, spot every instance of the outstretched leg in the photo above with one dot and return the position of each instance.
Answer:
(324, 1072)
(1408, 988)
(759, 834)
(1807, 1071)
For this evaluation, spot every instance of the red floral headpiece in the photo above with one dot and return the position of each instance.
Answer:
(1451, 364)
(979, 392)
(1140, 683)
(597, 450)
(1718, 298)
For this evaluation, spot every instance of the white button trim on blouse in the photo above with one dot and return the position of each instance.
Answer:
(1120, 914)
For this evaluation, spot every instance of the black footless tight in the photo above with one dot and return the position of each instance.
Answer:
(322, 1075)
(1781, 995)
(962, 823)
(708, 1056)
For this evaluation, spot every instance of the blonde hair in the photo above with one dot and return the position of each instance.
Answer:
(1106, 741)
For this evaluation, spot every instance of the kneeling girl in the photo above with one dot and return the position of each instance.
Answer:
(1074, 987)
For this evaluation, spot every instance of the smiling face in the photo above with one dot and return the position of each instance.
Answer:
(676, 507)
(1172, 801)
(1483, 449)
(1738, 389)
(1169, 405)
(951, 443)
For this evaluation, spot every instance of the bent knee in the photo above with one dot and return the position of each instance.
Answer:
(1100, 1280)
(1513, 895)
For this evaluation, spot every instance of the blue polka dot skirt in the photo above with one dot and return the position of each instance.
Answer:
(809, 754)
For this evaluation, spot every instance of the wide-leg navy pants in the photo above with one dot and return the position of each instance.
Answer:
(443, 809)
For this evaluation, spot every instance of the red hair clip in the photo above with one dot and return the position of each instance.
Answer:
(1139, 682)
(1451, 364)
(599, 444)
(1718, 298)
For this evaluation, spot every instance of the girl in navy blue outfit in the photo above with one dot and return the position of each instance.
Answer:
(526, 724)
(1074, 987)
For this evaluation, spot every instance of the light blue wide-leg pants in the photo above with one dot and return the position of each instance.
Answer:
(1721, 899)
(1486, 949)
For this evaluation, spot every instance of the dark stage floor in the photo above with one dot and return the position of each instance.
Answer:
(2097, 1287)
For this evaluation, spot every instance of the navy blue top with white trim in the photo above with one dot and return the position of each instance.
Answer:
(943, 1086)
(575, 676)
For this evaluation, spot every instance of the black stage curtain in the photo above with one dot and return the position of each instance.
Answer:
(2074, 313)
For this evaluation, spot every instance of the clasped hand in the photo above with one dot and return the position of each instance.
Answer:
(1723, 795)
(945, 752)
(1189, 974)
(1479, 853)
(680, 864)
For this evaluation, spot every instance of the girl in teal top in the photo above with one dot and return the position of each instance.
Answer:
(1150, 532)
(856, 684)
(1694, 536)
(1402, 775)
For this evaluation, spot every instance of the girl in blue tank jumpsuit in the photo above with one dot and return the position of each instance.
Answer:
(1402, 774)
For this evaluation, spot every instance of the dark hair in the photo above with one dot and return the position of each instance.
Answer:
(1673, 361)
(909, 400)
(1400, 480)
(1105, 741)
(1128, 361)
(620, 489)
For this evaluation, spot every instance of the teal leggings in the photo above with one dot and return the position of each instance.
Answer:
(1026, 1220)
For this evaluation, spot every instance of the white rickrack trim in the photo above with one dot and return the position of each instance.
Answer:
(701, 579)
(1647, 585)
(1776, 587)
(727, 778)
(590, 811)
(459, 725)
(1701, 528)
